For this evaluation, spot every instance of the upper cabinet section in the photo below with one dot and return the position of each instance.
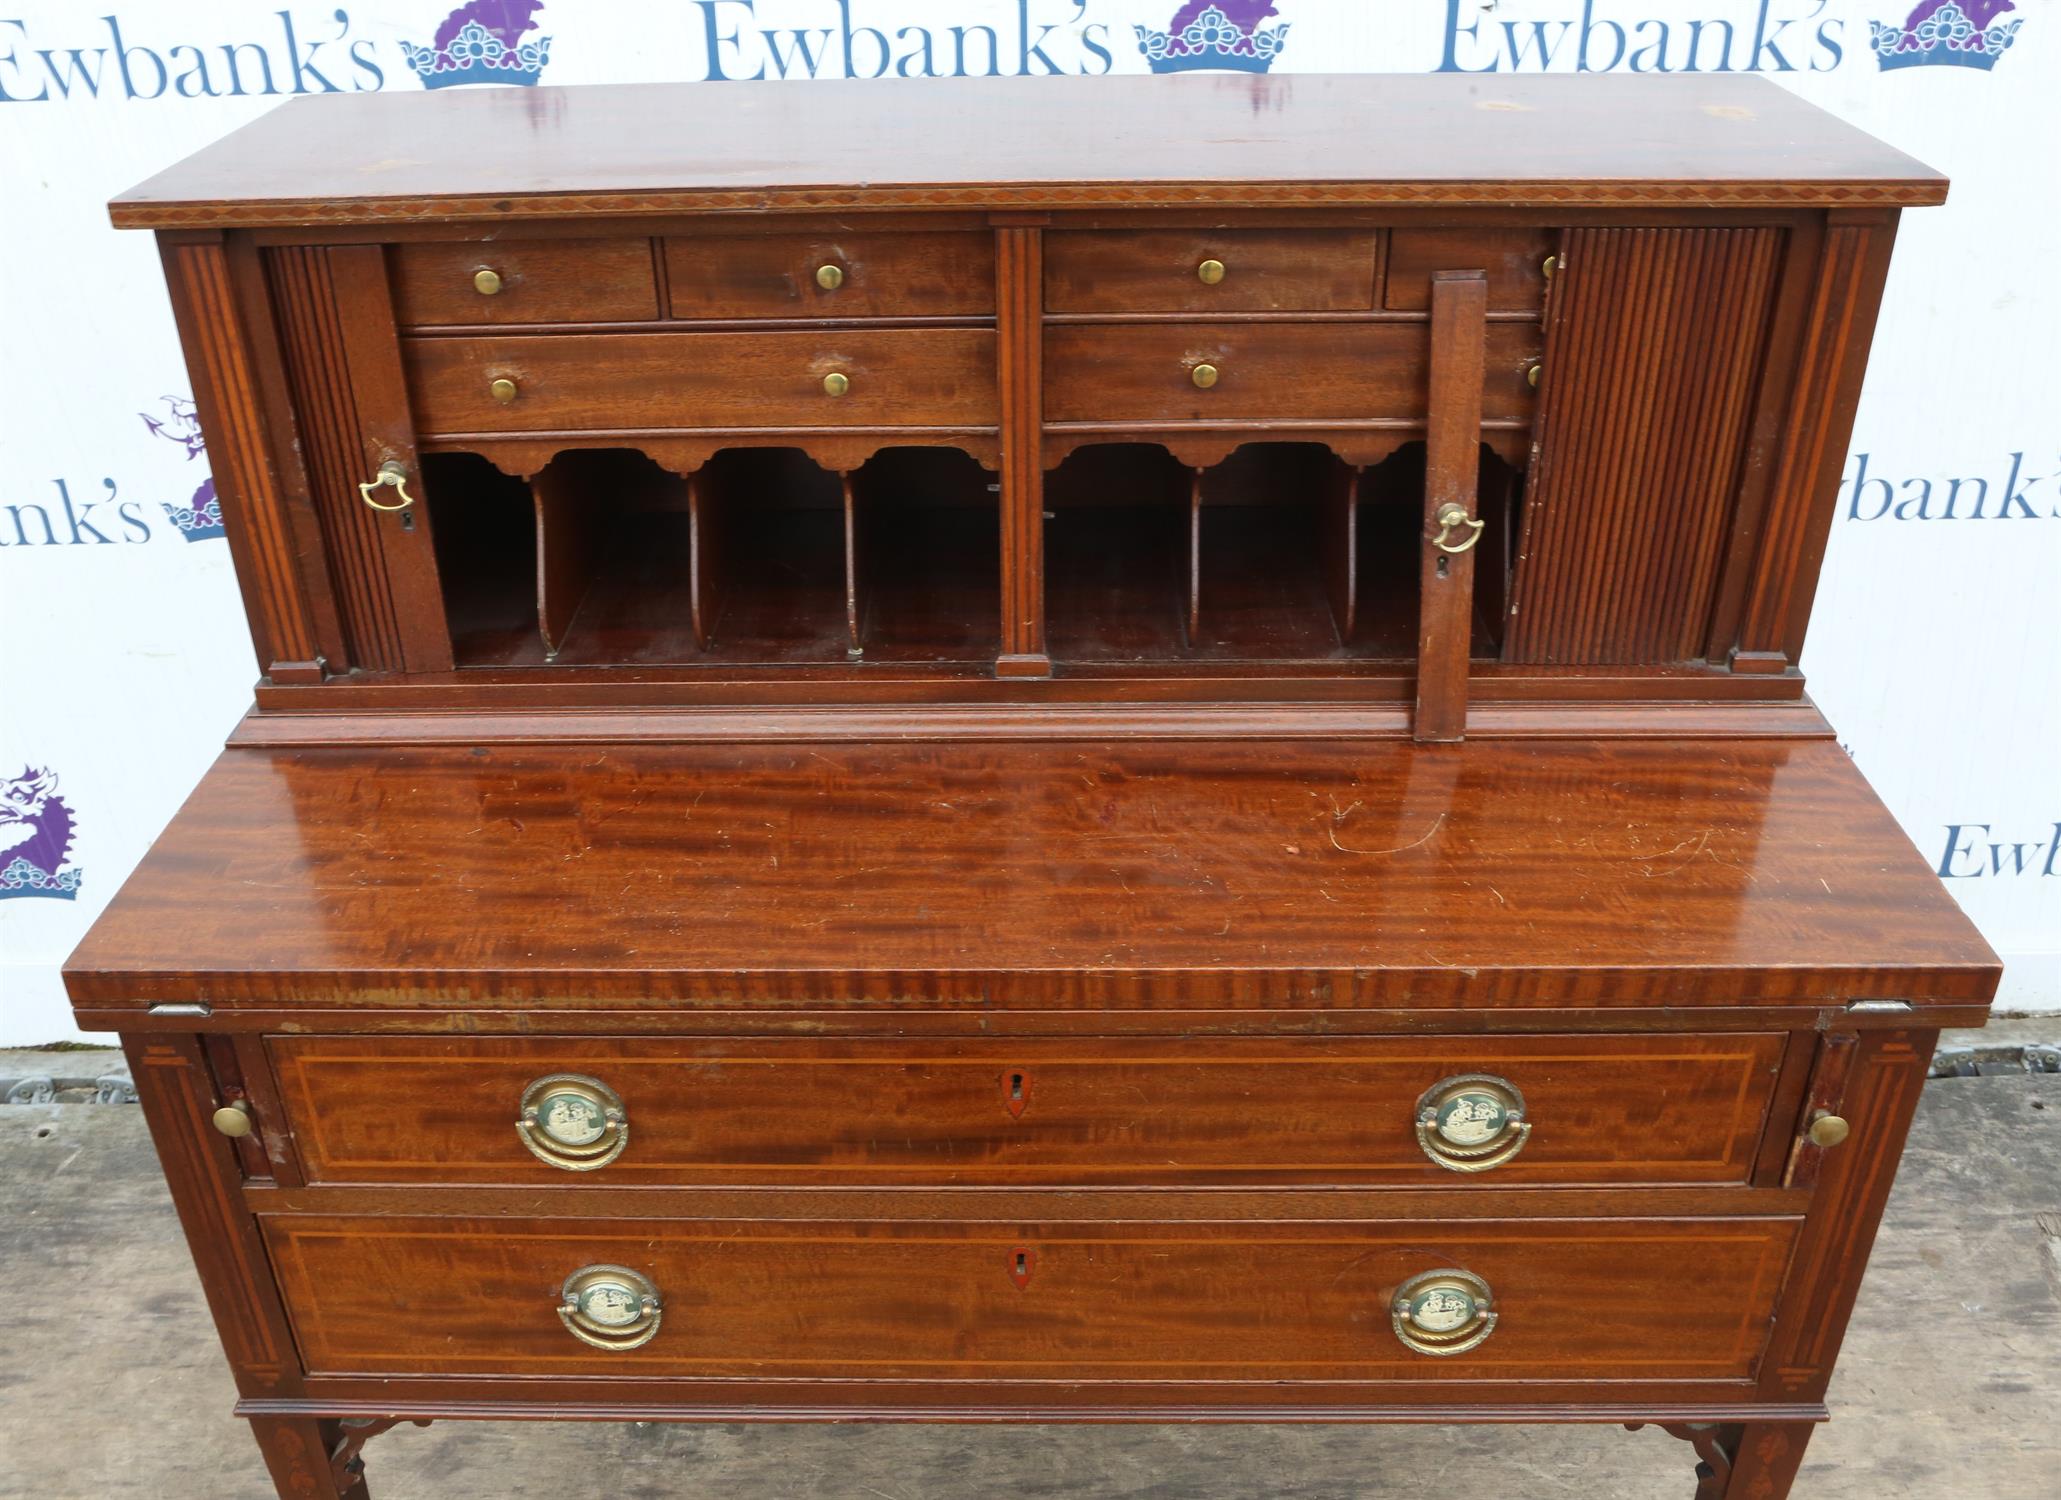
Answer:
(1426, 402)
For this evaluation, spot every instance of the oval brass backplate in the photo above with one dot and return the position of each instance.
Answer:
(1473, 1122)
(610, 1307)
(1443, 1313)
(573, 1122)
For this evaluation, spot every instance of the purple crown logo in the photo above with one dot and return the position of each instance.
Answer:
(35, 838)
(201, 518)
(1215, 34)
(1946, 33)
(481, 42)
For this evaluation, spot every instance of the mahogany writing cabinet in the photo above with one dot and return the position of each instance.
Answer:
(1120, 748)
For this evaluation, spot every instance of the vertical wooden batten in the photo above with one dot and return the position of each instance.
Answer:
(1647, 393)
(1452, 466)
(1019, 310)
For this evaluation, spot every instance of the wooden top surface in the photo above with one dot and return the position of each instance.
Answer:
(1036, 875)
(1044, 143)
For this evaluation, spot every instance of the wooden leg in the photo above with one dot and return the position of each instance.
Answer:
(1766, 1458)
(298, 1452)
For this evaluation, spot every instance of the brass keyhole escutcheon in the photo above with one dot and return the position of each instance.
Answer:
(836, 383)
(233, 1119)
(610, 1307)
(503, 390)
(1473, 1122)
(1828, 1130)
(1204, 376)
(573, 1122)
(1443, 1313)
(829, 277)
(486, 281)
(1210, 272)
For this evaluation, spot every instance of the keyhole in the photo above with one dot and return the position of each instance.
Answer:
(1442, 567)
(1021, 1263)
(1016, 1094)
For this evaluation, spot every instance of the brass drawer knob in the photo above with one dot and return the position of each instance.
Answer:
(1204, 376)
(1443, 1313)
(1550, 265)
(1210, 272)
(234, 1120)
(1472, 1123)
(829, 277)
(390, 474)
(503, 390)
(610, 1307)
(486, 281)
(573, 1122)
(836, 383)
(1828, 1129)
(1531, 373)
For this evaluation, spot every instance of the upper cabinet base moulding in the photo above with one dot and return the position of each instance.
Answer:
(980, 764)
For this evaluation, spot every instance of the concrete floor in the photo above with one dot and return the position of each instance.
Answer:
(112, 1386)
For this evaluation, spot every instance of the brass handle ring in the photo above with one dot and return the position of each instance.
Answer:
(1443, 1313)
(1450, 516)
(1472, 1123)
(573, 1122)
(390, 473)
(610, 1307)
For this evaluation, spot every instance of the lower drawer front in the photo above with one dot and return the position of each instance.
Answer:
(1669, 1109)
(629, 381)
(1621, 1299)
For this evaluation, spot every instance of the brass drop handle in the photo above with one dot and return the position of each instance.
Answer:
(1473, 1122)
(1828, 1130)
(1443, 1313)
(233, 1120)
(486, 281)
(503, 390)
(610, 1307)
(1204, 376)
(390, 473)
(836, 383)
(829, 277)
(1210, 272)
(1451, 515)
(573, 1122)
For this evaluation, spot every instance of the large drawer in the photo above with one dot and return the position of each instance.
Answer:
(525, 281)
(1593, 1109)
(628, 381)
(1301, 1301)
(867, 274)
(1210, 271)
(1338, 372)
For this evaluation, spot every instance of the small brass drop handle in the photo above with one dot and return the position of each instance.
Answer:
(1828, 1129)
(836, 383)
(610, 1307)
(234, 1120)
(1204, 376)
(486, 281)
(390, 473)
(1210, 272)
(1442, 1313)
(503, 390)
(829, 277)
(1450, 516)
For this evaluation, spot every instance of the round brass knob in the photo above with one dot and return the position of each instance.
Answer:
(830, 278)
(1531, 373)
(1204, 376)
(1828, 1129)
(610, 1307)
(1210, 272)
(234, 1120)
(486, 281)
(1472, 1123)
(1552, 264)
(1443, 1313)
(573, 1122)
(503, 390)
(836, 383)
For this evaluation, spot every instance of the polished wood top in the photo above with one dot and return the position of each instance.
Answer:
(998, 875)
(1045, 143)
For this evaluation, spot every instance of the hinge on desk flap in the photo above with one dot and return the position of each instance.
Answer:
(181, 1008)
(1878, 1007)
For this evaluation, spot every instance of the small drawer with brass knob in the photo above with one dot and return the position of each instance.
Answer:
(471, 283)
(869, 274)
(1091, 271)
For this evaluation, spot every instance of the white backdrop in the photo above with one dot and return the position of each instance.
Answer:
(1934, 648)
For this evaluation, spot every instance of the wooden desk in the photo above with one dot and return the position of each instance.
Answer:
(925, 755)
